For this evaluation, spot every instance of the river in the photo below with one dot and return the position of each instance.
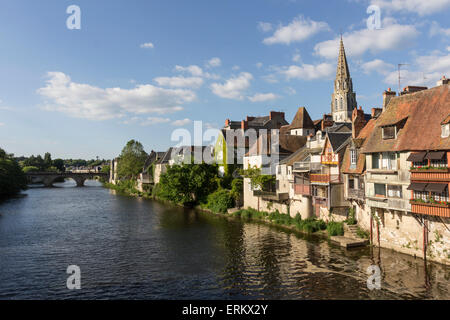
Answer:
(130, 248)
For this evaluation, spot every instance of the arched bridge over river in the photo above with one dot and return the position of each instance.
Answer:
(48, 178)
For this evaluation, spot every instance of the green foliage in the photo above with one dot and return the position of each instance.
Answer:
(131, 160)
(309, 225)
(258, 180)
(124, 186)
(59, 165)
(362, 233)
(105, 169)
(335, 228)
(30, 169)
(220, 201)
(12, 178)
(187, 183)
(237, 189)
(351, 216)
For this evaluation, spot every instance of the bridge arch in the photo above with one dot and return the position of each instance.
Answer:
(48, 178)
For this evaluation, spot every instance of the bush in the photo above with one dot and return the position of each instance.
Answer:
(335, 228)
(351, 217)
(220, 201)
(362, 233)
(309, 225)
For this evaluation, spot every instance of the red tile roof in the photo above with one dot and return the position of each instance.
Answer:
(424, 111)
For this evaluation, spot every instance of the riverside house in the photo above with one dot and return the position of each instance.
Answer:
(407, 177)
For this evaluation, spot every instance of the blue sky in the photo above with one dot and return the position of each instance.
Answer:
(141, 69)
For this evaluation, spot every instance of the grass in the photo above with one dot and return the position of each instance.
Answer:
(335, 228)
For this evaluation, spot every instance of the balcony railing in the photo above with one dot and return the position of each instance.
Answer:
(325, 178)
(355, 194)
(429, 174)
(330, 158)
(306, 166)
(431, 209)
(301, 189)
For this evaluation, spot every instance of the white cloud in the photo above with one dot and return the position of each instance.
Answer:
(94, 103)
(154, 120)
(448, 48)
(296, 57)
(264, 26)
(147, 45)
(377, 65)
(436, 29)
(429, 69)
(234, 87)
(235, 68)
(180, 123)
(290, 91)
(308, 71)
(298, 30)
(214, 62)
(421, 7)
(196, 71)
(259, 65)
(261, 97)
(180, 82)
(393, 36)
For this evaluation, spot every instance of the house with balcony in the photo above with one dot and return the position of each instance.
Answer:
(407, 173)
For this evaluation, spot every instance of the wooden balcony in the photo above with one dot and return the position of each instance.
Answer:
(355, 194)
(301, 189)
(325, 178)
(330, 159)
(428, 174)
(430, 209)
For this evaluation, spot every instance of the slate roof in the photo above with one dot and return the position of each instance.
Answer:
(338, 139)
(288, 144)
(423, 113)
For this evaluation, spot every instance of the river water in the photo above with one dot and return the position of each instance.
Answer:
(130, 248)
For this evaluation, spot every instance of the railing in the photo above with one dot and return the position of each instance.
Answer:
(306, 166)
(273, 196)
(441, 174)
(330, 158)
(301, 189)
(325, 178)
(431, 209)
(355, 193)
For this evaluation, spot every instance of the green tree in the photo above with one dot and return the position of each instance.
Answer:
(131, 160)
(47, 160)
(188, 183)
(12, 178)
(59, 164)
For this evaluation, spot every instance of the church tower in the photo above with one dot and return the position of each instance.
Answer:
(343, 99)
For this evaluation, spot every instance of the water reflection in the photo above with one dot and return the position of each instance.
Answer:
(131, 248)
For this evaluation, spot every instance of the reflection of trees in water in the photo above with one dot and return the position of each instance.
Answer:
(233, 274)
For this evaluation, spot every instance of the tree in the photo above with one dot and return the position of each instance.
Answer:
(131, 160)
(188, 183)
(47, 160)
(12, 178)
(59, 164)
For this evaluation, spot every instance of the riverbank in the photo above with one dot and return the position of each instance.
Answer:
(284, 222)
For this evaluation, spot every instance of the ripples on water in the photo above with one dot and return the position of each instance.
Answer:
(139, 249)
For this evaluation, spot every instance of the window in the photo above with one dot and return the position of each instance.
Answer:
(376, 161)
(389, 132)
(394, 191)
(445, 130)
(380, 189)
(439, 163)
(440, 196)
(389, 161)
(279, 170)
(351, 183)
(353, 157)
(422, 195)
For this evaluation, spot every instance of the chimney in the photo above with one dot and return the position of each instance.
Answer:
(387, 96)
(274, 114)
(376, 112)
(227, 122)
(358, 121)
(244, 125)
(443, 81)
(412, 89)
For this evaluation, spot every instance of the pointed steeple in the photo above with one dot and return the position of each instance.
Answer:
(343, 72)
(343, 99)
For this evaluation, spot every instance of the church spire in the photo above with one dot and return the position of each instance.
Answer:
(343, 99)
(343, 72)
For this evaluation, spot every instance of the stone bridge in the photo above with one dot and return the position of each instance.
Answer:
(48, 178)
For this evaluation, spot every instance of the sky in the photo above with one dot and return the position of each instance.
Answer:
(142, 69)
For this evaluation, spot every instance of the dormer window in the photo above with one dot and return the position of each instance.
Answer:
(389, 132)
(445, 130)
(353, 157)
